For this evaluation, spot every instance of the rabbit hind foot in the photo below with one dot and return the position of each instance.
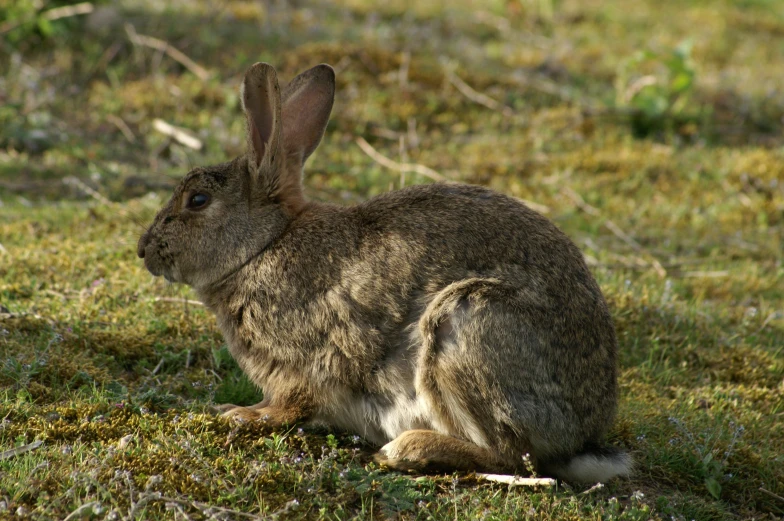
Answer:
(429, 451)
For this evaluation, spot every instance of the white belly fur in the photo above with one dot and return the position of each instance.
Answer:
(375, 419)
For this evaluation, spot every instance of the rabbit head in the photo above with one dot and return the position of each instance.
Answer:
(222, 216)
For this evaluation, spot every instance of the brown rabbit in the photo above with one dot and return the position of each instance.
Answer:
(451, 324)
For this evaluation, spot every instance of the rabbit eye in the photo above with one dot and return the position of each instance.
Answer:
(198, 201)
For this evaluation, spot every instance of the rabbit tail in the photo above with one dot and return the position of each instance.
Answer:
(594, 465)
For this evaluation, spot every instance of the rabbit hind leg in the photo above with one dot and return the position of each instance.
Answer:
(476, 378)
(427, 451)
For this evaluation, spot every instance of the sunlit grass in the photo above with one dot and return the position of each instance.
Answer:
(681, 220)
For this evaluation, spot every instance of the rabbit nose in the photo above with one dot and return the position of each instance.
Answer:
(142, 244)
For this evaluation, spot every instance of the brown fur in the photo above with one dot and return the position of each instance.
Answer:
(449, 322)
(430, 451)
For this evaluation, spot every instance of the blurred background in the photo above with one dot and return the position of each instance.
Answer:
(649, 130)
(506, 93)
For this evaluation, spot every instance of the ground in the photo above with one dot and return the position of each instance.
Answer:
(650, 131)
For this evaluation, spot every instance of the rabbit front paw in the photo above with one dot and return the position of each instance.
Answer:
(239, 413)
(270, 415)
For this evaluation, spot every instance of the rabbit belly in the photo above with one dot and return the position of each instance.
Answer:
(403, 414)
(378, 419)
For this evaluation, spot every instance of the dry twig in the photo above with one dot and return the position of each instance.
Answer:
(616, 230)
(67, 11)
(771, 494)
(593, 489)
(51, 15)
(123, 127)
(707, 274)
(203, 508)
(517, 481)
(478, 97)
(16, 451)
(178, 300)
(541, 208)
(176, 133)
(405, 63)
(610, 225)
(82, 511)
(399, 167)
(173, 53)
(78, 183)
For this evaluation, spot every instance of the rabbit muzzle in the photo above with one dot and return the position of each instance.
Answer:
(141, 246)
(150, 251)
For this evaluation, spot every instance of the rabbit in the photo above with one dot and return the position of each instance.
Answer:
(448, 324)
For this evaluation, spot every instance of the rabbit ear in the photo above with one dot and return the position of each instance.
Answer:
(307, 103)
(261, 102)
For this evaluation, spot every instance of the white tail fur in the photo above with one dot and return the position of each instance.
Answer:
(593, 467)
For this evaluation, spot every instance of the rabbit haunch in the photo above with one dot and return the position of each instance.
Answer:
(449, 323)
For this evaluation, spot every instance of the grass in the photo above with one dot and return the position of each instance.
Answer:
(650, 131)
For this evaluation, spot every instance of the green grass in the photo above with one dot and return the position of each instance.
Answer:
(650, 131)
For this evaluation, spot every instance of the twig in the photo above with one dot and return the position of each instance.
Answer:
(56, 294)
(177, 134)
(71, 180)
(173, 53)
(405, 63)
(82, 511)
(541, 208)
(413, 138)
(182, 512)
(771, 494)
(140, 501)
(16, 451)
(178, 300)
(123, 126)
(616, 230)
(505, 28)
(399, 167)
(706, 274)
(593, 489)
(201, 507)
(550, 88)
(106, 57)
(126, 440)
(610, 225)
(51, 15)
(580, 202)
(499, 22)
(67, 11)
(340, 66)
(767, 320)
(636, 86)
(517, 481)
(478, 97)
(385, 133)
